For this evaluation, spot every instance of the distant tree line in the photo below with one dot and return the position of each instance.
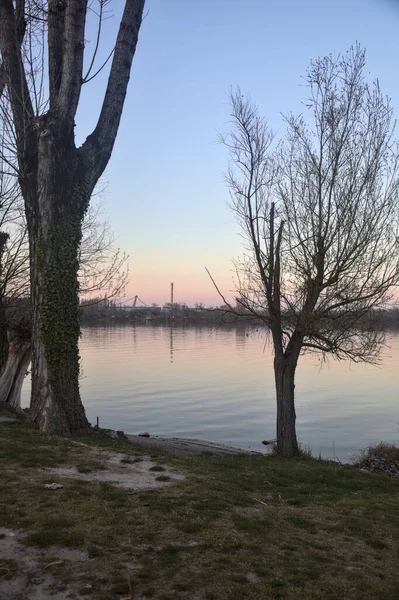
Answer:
(104, 311)
(100, 311)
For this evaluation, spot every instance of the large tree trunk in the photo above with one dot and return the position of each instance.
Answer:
(284, 373)
(13, 375)
(57, 181)
(55, 235)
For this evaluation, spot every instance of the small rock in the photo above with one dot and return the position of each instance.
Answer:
(111, 433)
(268, 442)
(53, 486)
(121, 435)
(145, 434)
(253, 578)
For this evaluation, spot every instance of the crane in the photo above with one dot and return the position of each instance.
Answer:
(135, 299)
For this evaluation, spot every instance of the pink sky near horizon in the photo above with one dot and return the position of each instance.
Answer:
(166, 199)
(191, 281)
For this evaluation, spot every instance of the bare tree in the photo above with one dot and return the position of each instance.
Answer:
(102, 269)
(15, 337)
(57, 178)
(320, 215)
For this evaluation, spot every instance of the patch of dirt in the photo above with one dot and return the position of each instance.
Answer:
(25, 572)
(250, 511)
(134, 476)
(58, 573)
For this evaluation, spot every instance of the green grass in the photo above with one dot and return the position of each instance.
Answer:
(247, 527)
(43, 538)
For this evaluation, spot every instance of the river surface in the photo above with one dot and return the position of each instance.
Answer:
(217, 384)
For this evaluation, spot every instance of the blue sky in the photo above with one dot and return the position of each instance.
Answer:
(165, 198)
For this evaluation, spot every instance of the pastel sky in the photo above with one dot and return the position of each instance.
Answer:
(165, 198)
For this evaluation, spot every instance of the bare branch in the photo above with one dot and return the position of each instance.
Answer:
(100, 143)
(74, 17)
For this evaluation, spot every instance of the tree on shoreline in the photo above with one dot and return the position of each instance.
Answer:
(15, 327)
(102, 270)
(320, 216)
(57, 179)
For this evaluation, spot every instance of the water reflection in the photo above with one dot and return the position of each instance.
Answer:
(171, 344)
(134, 336)
(221, 388)
(241, 337)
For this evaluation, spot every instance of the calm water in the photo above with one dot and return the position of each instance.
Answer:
(218, 385)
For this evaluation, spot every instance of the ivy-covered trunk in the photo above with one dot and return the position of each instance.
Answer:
(55, 235)
(57, 180)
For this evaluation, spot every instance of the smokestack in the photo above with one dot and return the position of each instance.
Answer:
(171, 295)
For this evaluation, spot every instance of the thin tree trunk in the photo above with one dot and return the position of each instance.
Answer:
(3, 335)
(12, 378)
(3, 316)
(284, 373)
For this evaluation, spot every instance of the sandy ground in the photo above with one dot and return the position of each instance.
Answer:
(23, 570)
(134, 476)
(26, 571)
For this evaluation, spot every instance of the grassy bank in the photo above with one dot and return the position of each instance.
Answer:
(235, 528)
